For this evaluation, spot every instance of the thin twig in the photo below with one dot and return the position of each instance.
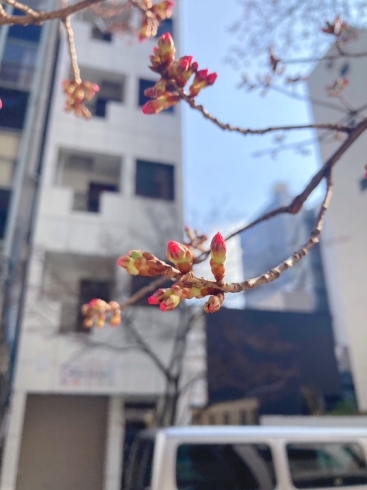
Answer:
(44, 16)
(245, 131)
(23, 7)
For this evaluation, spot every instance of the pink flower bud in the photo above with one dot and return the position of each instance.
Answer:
(202, 79)
(180, 255)
(214, 303)
(158, 296)
(170, 302)
(218, 249)
(160, 104)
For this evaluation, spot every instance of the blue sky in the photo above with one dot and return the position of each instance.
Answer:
(220, 172)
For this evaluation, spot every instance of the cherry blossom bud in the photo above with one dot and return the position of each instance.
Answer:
(170, 302)
(180, 255)
(214, 303)
(158, 296)
(161, 103)
(202, 79)
(163, 10)
(1, 104)
(157, 90)
(218, 249)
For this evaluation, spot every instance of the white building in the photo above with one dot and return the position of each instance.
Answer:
(345, 231)
(107, 185)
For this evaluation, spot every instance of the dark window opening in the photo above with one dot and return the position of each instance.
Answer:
(101, 35)
(363, 184)
(139, 282)
(13, 112)
(29, 33)
(154, 180)
(109, 92)
(94, 194)
(226, 418)
(4, 207)
(165, 26)
(88, 290)
(225, 467)
(326, 465)
(344, 70)
(143, 85)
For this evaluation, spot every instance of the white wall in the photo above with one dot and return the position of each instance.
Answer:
(345, 234)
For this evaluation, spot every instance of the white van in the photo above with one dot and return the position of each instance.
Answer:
(248, 458)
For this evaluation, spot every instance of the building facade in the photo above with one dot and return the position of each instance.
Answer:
(345, 230)
(301, 288)
(107, 185)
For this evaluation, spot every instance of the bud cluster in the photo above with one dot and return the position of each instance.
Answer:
(141, 263)
(77, 95)
(169, 299)
(175, 74)
(181, 256)
(98, 312)
(153, 15)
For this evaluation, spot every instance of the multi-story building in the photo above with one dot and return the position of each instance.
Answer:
(345, 230)
(301, 288)
(106, 185)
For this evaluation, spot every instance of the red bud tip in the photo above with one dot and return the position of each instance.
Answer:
(212, 78)
(174, 248)
(153, 300)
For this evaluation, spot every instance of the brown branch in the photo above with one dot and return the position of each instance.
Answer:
(44, 16)
(245, 131)
(23, 7)
(143, 291)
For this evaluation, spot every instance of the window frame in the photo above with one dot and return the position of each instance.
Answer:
(141, 179)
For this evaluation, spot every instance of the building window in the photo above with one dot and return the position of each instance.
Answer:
(243, 417)
(109, 92)
(363, 184)
(164, 27)
(344, 70)
(30, 33)
(88, 290)
(89, 176)
(100, 35)
(154, 180)
(4, 206)
(226, 418)
(18, 64)
(13, 112)
(143, 85)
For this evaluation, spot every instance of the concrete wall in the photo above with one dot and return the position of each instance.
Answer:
(345, 233)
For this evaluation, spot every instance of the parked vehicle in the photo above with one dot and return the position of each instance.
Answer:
(248, 458)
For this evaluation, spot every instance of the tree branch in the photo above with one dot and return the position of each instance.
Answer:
(245, 131)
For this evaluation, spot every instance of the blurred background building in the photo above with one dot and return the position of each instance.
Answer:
(86, 192)
(345, 232)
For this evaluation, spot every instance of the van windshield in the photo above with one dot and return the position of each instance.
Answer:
(225, 467)
(321, 465)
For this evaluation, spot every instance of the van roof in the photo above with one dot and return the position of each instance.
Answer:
(261, 431)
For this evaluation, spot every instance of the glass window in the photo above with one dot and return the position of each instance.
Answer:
(12, 114)
(18, 64)
(4, 206)
(27, 33)
(143, 85)
(321, 465)
(154, 180)
(225, 467)
(363, 184)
